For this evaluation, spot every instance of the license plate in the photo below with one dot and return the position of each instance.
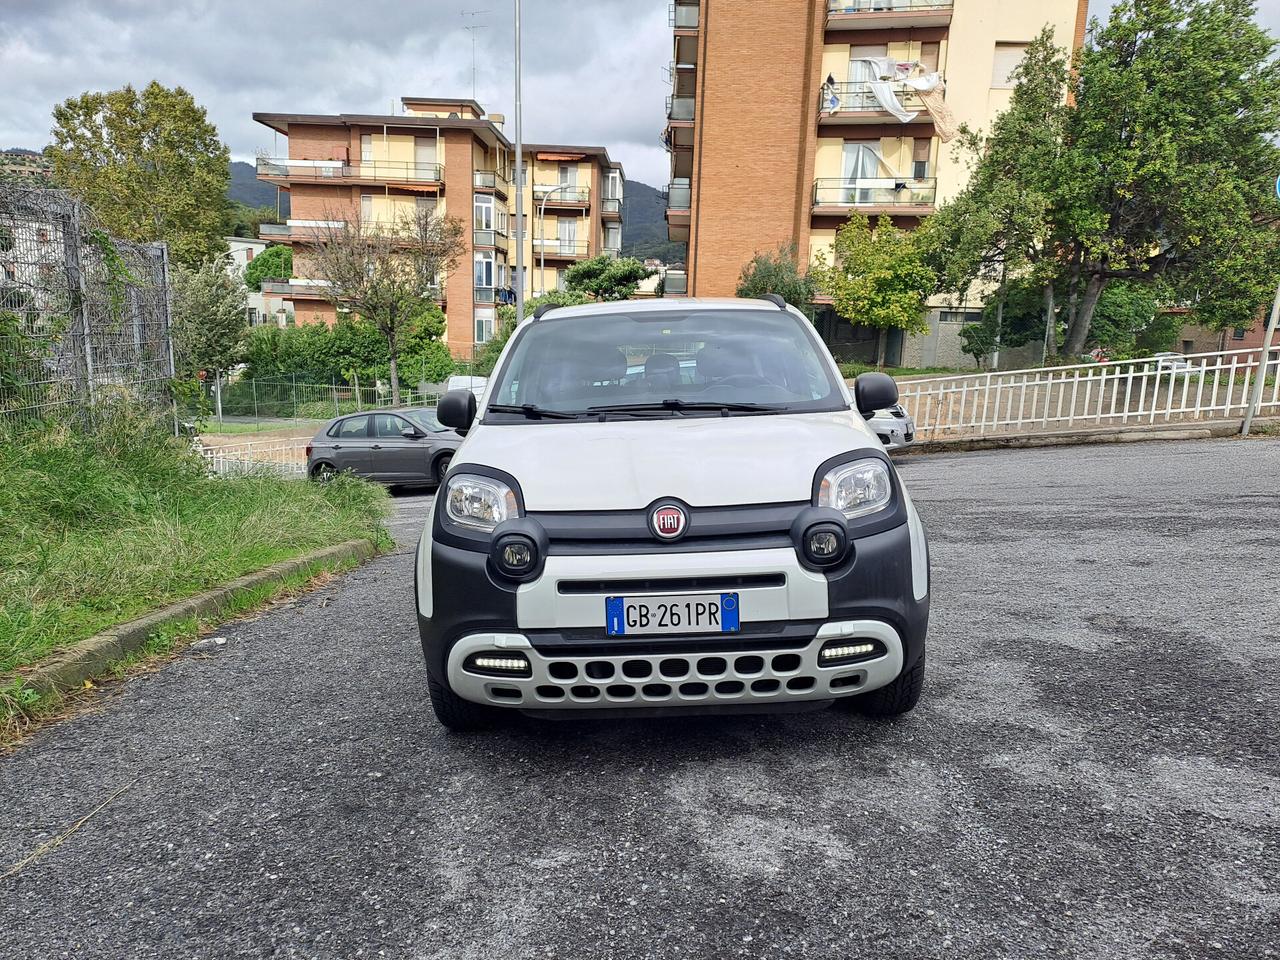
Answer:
(685, 613)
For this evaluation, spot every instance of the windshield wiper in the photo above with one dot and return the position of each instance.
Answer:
(683, 405)
(531, 411)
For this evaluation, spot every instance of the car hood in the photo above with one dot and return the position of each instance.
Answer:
(704, 461)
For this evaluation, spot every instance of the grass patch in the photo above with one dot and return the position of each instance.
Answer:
(22, 707)
(851, 370)
(101, 528)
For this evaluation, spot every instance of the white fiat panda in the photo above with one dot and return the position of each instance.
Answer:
(670, 506)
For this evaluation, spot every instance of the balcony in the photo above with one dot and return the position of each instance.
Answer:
(489, 239)
(554, 248)
(853, 103)
(903, 196)
(679, 196)
(491, 180)
(485, 295)
(562, 194)
(878, 14)
(680, 109)
(299, 230)
(683, 15)
(675, 284)
(297, 287)
(285, 170)
(611, 208)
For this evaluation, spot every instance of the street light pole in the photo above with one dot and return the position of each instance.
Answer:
(1255, 401)
(542, 216)
(520, 226)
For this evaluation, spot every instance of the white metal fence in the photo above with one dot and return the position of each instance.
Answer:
(277, 457)
(1198, 387)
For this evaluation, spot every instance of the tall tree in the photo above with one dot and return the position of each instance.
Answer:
(208, 321)
(150, 165)
(273, 263)
(386, 271)
(779, 272)
(608, 278)
(878, 277)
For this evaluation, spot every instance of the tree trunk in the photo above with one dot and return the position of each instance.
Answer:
(995, 352)
(1078, 332)
(217, 393)
(882, 347)
(1050, 325)
(395, 374)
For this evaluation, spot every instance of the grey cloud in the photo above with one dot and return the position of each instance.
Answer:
(592, 69)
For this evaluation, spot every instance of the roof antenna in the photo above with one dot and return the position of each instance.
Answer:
(471, 29)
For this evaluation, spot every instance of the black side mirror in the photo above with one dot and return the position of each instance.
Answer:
(874, 391)
(457, 409)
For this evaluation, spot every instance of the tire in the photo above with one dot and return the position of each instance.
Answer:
(323, 472)
(458, 715)
(893, 699)
(442, 467)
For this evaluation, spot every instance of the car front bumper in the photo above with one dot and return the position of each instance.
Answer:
(880, 594)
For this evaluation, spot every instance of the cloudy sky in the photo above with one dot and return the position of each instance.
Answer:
(593, 68)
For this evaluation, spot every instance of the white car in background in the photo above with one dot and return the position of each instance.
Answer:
(1175, 363)
(894, 427)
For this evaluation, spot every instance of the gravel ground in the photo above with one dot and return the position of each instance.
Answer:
(1093, 772)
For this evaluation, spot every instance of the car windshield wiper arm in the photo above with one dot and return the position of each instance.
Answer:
(680, 405)
(531, 411)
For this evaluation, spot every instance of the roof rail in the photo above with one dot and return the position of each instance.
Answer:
(775, 298)
(544, 308)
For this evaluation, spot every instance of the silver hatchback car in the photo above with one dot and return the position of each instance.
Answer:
(390, 446)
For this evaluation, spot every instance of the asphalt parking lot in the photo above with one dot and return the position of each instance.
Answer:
(1094, 770)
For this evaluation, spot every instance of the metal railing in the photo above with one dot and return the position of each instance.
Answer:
(273, 230)
(489, 238)
(554, 195)
(1197, 387)
(675, 283)
(680, 108)
(885, 6)
(857, 97)
(683, 16)
(875, 192)
(485, 295)
(679, 195)
(611, 206)
(376, 170)
(490, 180)
(554, 247)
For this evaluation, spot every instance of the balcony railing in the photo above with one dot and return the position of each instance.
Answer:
(679, 108)
(490, 180)
(679, 195)
(675, 284)
(285, 168)
(683, 16)
(273, 230)
(485, 295)
(553, 194)
(554, 247)
(885, 6)
(875, 192)
(489, 238)
(613, 253)
(611, 206)
(857, 97)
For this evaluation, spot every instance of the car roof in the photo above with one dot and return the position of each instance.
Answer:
(656, 305)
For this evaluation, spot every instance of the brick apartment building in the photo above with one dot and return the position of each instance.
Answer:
(450, 157)
(777, 132)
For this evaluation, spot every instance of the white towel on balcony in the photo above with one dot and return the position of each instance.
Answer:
(882, 90)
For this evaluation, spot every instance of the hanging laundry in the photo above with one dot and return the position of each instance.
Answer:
(884, 93)
(931, 90)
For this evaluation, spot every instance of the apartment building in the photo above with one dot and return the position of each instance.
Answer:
(450, 157)
(783, 121)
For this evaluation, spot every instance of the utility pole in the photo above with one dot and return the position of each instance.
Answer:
(519, 183)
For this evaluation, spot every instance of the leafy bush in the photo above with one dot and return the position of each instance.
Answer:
(273, 263)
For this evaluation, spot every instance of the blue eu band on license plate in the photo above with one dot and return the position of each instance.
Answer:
(684, 613)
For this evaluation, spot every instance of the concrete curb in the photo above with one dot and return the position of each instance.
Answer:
(69, 667)
(1196, 431)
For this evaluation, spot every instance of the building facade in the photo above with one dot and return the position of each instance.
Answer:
(782, 122)
(260, 308)
(449, 157)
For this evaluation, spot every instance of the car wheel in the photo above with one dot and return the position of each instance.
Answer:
(323, 472)
(442, 467)
(893, 699)
(459, 715)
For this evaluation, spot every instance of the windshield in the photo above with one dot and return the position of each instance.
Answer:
(426, 419)
(689, 363)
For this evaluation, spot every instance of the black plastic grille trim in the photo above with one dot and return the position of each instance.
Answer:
(614, 588)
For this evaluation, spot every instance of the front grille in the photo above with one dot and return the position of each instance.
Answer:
(615, 588)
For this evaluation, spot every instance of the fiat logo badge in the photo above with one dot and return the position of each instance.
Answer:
(668, 521)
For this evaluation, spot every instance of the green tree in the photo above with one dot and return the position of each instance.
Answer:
(778, 272)
(273, 263)
(208, 318)
(488, 357)
(607, 278)
(878, 277)
(243, 220)
(150, 165)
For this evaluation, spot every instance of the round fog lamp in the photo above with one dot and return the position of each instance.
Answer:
(515, 556)
(824, 544)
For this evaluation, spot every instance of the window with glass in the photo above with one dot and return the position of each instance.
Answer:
(483, 211)
(484, 269)
(484, 324)
(352, 428)
(613, 236)
(366, 208)
(366, 148)
(388, 426)
(426, 206)
(700, 363)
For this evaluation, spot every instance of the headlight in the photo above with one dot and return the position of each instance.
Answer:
(479, 503)
(856, 489)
